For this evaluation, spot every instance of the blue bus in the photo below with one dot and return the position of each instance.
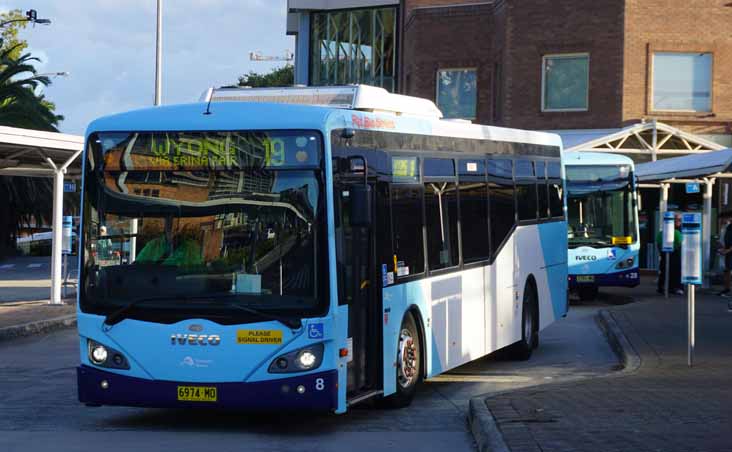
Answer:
(602, 218)
(310, 248)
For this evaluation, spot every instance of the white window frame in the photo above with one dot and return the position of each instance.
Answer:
(544, 59)
(652, 107)
(437, 86)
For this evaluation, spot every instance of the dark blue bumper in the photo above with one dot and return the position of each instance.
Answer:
(262, 396)
(626, 278)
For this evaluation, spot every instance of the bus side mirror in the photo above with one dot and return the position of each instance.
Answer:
(360, 205)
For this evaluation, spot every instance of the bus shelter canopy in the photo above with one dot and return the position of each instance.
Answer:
(35, 153)
(698, 166)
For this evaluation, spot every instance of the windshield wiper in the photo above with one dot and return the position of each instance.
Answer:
(290, 322)
(121, 313)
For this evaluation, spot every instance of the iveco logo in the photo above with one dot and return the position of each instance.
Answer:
(586, 258)
(195, 339)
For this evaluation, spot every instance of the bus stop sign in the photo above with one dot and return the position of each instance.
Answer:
(66, 235)
(691, 262)
(667, 245)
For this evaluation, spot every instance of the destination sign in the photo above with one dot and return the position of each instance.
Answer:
(195, 151)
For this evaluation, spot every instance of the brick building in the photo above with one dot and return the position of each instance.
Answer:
(537, 64)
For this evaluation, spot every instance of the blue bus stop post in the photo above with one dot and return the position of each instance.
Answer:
(691, 272)
(667, 246)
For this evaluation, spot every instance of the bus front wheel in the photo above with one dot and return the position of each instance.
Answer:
(408, 364)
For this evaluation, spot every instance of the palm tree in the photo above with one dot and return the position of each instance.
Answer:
(22, 198)
(20, 106)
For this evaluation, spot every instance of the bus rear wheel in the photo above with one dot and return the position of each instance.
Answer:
(408, 363)
(522, 349)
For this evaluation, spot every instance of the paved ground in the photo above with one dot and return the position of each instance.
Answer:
(23, 312)
(662, 406)
(29, 278)
(38, 403)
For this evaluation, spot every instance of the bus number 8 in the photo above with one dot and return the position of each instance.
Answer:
(319, 384)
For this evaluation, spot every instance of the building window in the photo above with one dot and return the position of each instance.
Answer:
(565, 82)
(682, 82)
(354, 46)
(457, 93)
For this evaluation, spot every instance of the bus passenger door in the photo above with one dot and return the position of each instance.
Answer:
(357, 288)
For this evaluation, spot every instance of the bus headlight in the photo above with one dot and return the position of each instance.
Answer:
(98, 354)
(103, 356)
(626, 263)
(306, 359)
(301, 360)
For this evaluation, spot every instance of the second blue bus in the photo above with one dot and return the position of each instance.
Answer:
(602, 218)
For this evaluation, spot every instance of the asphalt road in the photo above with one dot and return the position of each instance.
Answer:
(29, 278)
(39, 409)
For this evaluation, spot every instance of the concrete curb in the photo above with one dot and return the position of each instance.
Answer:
(39, 327)
(618, 341)
(484, 428)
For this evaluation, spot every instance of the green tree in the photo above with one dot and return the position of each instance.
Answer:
(282, 76)
(24, 200)
(9, 33)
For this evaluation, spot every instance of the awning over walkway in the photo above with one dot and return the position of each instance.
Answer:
(709, 164)
(34, 153)
(643, 141)
(702, 170)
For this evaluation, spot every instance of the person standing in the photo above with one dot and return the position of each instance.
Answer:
(725, 250)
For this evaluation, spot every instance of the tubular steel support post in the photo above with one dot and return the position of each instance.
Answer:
(58, 207)
(654, 143)
(666, 273)
(691, 324)
(707, 231)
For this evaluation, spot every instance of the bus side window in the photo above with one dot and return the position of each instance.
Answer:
(502, 205)
(554, 176)
(542, 190)
(526, 190)
(474, 213)
(441, 216)
(406, 208)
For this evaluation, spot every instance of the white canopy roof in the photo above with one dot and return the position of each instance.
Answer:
(686, 167)
(643, 141)
(25, 152)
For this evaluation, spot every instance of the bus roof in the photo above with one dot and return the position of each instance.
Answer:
(595, 158)
(232, 115)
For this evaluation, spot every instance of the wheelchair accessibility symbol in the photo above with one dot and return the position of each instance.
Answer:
(315, 331)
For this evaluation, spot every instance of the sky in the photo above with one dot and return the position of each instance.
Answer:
(108, 48)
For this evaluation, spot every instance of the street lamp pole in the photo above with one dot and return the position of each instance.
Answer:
(158, 101)
(159, 55)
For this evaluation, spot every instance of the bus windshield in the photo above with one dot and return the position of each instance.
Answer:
(600, 206)
(203, 224)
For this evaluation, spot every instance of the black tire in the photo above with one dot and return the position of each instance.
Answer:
(521, 350)
(409, 364)
(587, 293)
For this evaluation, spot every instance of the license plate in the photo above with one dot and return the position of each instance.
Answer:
(585, 278)
(197, 393)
